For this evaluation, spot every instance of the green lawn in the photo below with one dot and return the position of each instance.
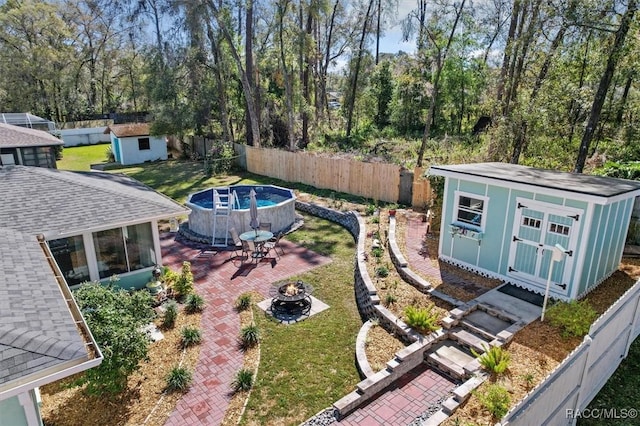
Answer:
(305, 367)
(81, 157)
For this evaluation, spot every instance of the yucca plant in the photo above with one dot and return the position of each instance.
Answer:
(194, 303)
(243, 302)
(190, 336)
(425, 320)
(178, 379)
(249, 336)
(243, 380)
(495, 359)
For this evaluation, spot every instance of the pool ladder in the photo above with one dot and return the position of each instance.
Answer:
(223, 205)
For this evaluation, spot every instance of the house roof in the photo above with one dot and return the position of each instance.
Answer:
(599, 186)
(37, 331)
(39, 337)
(128, 130)
(57, 202)
(22, 137)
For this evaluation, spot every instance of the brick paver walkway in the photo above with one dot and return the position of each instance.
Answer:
(408, 398)
(220, 283)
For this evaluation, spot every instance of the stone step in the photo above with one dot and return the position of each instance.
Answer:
(450, 357)
(469, 339)
(489, 324)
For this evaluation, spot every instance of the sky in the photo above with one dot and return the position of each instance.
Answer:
(392, 40)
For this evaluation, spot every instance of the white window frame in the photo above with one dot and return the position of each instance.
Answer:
(456, 208)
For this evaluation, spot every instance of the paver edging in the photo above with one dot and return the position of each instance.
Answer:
(361, 354)
(407, 274)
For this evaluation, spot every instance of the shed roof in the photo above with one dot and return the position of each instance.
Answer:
(128, 130)
(599, 186)
(21, 137)
(56, 202)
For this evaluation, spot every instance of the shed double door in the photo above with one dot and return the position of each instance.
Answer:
(537, 228)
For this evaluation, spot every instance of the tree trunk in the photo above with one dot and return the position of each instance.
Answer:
(356, 72)
(327, 57)
(305, 80)
(605, 81)
(623, 100)
(506, 59)
(287, 76)
(222, 94)
(521, 137)
(248, 57)
(244, 79)
(440, 60)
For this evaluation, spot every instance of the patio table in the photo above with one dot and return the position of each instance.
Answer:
(258, 237)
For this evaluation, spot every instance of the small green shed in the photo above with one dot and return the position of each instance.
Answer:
(504, 220)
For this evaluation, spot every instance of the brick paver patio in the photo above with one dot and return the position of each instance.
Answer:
(220, 283)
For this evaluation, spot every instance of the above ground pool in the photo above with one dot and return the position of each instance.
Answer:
(276, 205)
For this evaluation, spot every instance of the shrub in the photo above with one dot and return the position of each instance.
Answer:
(194, 303)
(243, 302)
(190, 336)
(249, 336)
(375, 219)
(382, 271)
(377, 251)
(115, 318)
(574, 318)
(178, 379)
(390, 299)
(170, 314)
(495, 399)
(494, 359)
(184, 283)
(243, 380)
(424, 320)
(169, 277)
(370, 209)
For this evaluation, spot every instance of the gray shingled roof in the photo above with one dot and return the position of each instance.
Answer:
(37, 331)
(52, 202)
(21, 137)
(571, 182)
(36, 328)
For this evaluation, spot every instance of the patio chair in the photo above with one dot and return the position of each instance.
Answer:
(265, 226)
(237, 243)
(274, 245)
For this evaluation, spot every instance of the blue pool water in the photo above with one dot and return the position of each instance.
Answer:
(265, 196)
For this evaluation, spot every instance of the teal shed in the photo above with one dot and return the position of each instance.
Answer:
(504, 220)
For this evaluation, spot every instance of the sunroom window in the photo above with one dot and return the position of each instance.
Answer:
(122, 250)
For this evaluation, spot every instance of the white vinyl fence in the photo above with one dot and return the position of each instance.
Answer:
(576, 381)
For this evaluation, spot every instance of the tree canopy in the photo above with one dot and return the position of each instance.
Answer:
(557, 80)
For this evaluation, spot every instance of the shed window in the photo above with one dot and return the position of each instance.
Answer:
(531, 222)
(555, 228)
(470, 210)
(122, 250)
(143, 144)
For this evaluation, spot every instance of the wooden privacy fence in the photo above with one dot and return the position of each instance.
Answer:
(567, 391)
(377, 181)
